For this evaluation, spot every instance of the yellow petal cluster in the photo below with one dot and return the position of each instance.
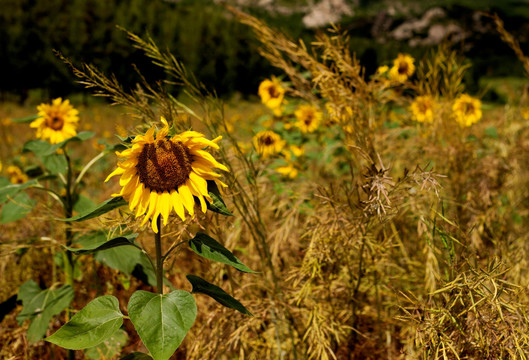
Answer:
(56, 122)
(289, 171)
(466, 110)
(422, 108)
(272, 94)
(308, 118)
(16, 175)
(402, 68)
(161, 174)
(268, 143)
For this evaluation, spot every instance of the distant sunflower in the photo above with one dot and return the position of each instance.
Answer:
(272, 94)
(56, 122)
(289, 171)
(16, 175)
(466, 110)
(308, 118)
(402, 68)
(268, 143)
(159, 174)
(423, 108)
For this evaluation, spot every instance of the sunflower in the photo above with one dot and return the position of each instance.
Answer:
(159, 174)
(423, 108)
(402, 68)
(308, 118)
(56, 122)
(288, 171)
(268, 143)
(466, 110)
(272, 94)
(16, 175)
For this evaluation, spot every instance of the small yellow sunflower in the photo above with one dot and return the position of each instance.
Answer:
(466, 110)
(382, 69)
(423, 108)
(288, 171)
(525, 113)
(402, 68)
(16, 175)
(308, 118)
(159, 174)
(56, 122)
(272, 94)
(268, 143)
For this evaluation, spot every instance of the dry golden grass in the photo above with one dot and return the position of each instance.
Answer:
(398, 240)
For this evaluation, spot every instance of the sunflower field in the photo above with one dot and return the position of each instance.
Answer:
(347, 208)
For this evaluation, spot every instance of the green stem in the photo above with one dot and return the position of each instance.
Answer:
(68, 212)
(159, 257)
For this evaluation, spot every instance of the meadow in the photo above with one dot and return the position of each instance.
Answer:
(366, 217)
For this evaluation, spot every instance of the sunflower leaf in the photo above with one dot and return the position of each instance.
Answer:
(137, 356)
(95, 323)
(112, 243)
(99, 210)
(25, 119)
(17, 208)
(222, 297)
(82, 136)
(8, 190)
(211, 249)
(218, 204)
(40, 306)
(162, 321)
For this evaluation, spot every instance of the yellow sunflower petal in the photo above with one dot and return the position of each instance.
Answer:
(165, 206)
(177, 205)
(187, 199)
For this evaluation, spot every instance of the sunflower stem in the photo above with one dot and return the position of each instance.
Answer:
(159, 257)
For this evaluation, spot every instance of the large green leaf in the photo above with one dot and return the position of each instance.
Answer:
(99, 210)
(95, 323)
(108, 348)
(218, 204)
(112, 243)
(162, 321)
(26, 119)
(55, 163)
(8, 190)
(40, 306)
(202, 286)
(82, 136)
(211, 249)
(83, 204)
(17, 208)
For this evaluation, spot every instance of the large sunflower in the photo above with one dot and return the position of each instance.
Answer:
(56, 122)
(402, 68)
(159, 174)
(466, 110)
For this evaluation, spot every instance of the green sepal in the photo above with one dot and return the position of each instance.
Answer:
(26, 119)
(95, 323)
(112, 243)
(99, 210)
(40, 306)
(218, 204)
(202, 286)
(209, 248)
(162, 321)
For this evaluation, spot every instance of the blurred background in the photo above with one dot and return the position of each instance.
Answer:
(222, 52)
